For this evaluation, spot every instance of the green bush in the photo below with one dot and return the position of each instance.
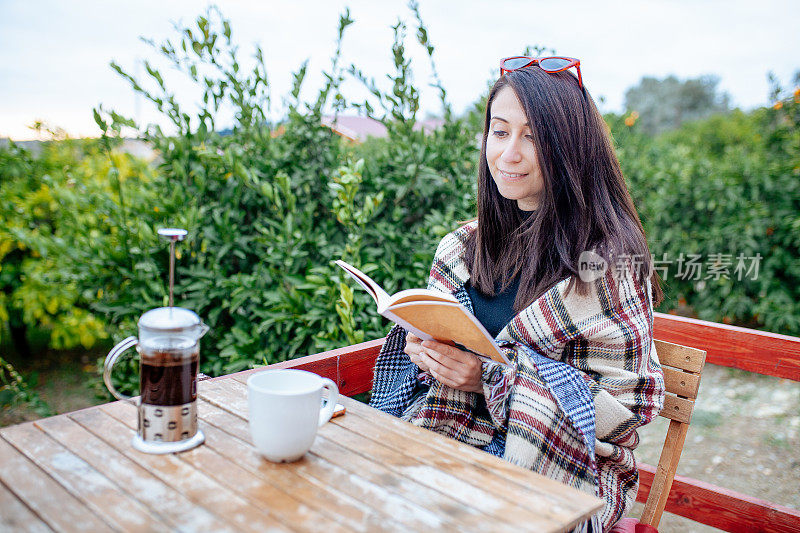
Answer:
(62, 240)
(270, 206)
(722, 188)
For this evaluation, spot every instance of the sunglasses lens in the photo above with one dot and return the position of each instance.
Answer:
(516, 62)
(552, 64)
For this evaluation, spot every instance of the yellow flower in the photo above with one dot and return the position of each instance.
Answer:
(635, 114)
(177, 254)
(778, 105)
(155, 209)
(630, 121)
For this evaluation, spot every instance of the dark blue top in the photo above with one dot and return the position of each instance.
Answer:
(494, 312)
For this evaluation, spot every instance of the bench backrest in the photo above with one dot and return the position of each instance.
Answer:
(682, 368)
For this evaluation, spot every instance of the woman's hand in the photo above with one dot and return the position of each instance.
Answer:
(452, 367)
(414, 349)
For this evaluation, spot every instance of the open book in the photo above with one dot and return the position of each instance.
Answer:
(430, 315)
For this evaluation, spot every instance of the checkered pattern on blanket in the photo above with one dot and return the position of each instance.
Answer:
(566, 349)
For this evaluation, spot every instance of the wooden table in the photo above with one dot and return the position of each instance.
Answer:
(367, 471)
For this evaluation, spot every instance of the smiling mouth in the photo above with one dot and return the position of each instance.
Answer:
(512, 175)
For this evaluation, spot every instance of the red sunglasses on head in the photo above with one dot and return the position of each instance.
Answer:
(550, 65)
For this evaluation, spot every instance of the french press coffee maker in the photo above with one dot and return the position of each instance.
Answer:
(169, 351)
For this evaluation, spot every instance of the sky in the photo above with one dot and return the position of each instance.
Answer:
(54, 55)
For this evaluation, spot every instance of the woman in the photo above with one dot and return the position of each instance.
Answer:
(553, 211)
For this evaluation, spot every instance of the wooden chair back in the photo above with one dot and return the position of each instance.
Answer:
(682, 368)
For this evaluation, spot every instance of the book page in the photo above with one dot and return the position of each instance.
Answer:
(421, 295)
(380, 296)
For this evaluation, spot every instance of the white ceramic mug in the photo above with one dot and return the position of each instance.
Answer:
(285, 411)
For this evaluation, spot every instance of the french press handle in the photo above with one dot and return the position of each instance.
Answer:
(111, 359)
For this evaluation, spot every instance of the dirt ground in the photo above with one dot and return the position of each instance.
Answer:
(744, 436)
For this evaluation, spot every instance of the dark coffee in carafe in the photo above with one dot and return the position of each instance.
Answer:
(168, 381)
(169, 378)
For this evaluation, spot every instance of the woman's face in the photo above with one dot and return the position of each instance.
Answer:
(510, 152)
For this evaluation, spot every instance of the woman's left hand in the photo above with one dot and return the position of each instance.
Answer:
(453, 367)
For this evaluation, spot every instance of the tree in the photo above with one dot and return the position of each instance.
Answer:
(665, 104)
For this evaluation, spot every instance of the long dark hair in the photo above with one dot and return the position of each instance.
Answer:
(585, 204)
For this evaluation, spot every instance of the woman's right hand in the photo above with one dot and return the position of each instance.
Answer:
(414, 348)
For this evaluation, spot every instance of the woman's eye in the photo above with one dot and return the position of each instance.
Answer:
(499, 133)
(529, 137)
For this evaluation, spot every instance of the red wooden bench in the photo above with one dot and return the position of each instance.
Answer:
(755, 351)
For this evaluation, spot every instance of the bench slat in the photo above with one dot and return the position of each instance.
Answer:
(681, 383)
(683, 357)
(678, 409)
(762, 352)
(349, 367)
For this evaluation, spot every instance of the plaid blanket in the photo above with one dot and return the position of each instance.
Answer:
(584, 377)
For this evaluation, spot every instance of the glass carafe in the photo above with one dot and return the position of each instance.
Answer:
(169, 352)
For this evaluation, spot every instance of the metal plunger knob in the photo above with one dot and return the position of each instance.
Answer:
(173, 234)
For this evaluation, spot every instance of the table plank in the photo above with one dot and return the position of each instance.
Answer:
(351, 514)
(366, 471)
(559, 507)
(16, 516)
(58, 508)
(115, 507)
(216, 457)
(196, 485)
(370, 481)
(554, 492)
(313, 474)
(235, 397)
(456, 479)
(230, 396)
(171, 506)
(487, 462)
(312, 480)
(449, 472)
